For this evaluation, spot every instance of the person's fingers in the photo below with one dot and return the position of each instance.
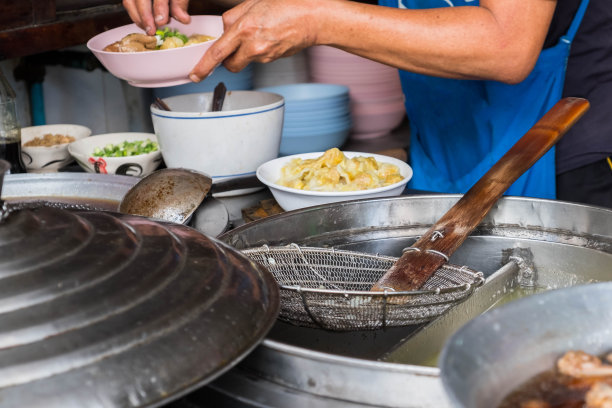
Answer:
(161, 12)
(132, 10)
(150, 16)
(145, 12)
(256, 30)
(233, 14)
(213, 57)
(178, 10)
(237, 61)
(223, 47)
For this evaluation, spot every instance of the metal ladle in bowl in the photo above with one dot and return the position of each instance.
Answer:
(218, 97)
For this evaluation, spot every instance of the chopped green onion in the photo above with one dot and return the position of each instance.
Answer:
(168, 32)
(124, 149)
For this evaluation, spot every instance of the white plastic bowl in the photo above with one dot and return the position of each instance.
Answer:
(293, 199)
(139, 165)
(43, 159)
(226, 144)
(157, 68)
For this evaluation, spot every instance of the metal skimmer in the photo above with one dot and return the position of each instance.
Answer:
(330, 289)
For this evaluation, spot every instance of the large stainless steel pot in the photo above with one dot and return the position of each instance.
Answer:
(101, 191)
(301, 367)
(99, 309)
(496, 352)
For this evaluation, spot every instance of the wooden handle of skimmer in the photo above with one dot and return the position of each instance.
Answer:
(434, 248)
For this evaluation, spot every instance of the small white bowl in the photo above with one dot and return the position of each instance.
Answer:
(138, 166)
(45, 159)
(293, 199)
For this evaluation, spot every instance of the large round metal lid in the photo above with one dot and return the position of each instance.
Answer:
(101, 309)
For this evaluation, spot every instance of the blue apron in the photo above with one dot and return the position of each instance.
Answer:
(460, 128)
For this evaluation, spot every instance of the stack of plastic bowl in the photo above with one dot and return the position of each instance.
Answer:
(317, 116)
(376, 98)
(288, 70)
(238, 81)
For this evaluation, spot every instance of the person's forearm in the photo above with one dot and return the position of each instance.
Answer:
(499, 43)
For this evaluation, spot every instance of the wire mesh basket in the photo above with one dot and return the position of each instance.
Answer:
(330, 289)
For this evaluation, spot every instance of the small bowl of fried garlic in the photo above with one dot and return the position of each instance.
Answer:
(44, 148)
(160, 60)
(309, 179)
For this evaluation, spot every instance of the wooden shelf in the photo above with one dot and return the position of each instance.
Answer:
(34, 26)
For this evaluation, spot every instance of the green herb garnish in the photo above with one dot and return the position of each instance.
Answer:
(169, 32)
(126, 149)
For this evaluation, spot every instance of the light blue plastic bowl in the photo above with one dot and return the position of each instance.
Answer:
(311, 96)
(316, 130)
(316, 122)
(308, 91)
(310, 143)
(316, 114)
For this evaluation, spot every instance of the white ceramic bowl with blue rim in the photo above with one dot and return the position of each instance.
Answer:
(293, 199)
(226, 144)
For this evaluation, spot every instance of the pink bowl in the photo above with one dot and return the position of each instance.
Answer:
(325, 52)
(359, 96)
(368, 135)
(329, 56)
(354, 69)
(159, 68)
(357, 65)
(369, 106)
(351, 79)
(374, 122)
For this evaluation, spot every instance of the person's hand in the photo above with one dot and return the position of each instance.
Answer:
(261, 31)
(150, 15)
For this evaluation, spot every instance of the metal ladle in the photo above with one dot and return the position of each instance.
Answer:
(174, 194)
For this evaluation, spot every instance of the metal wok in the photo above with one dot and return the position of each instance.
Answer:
(501, 349)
